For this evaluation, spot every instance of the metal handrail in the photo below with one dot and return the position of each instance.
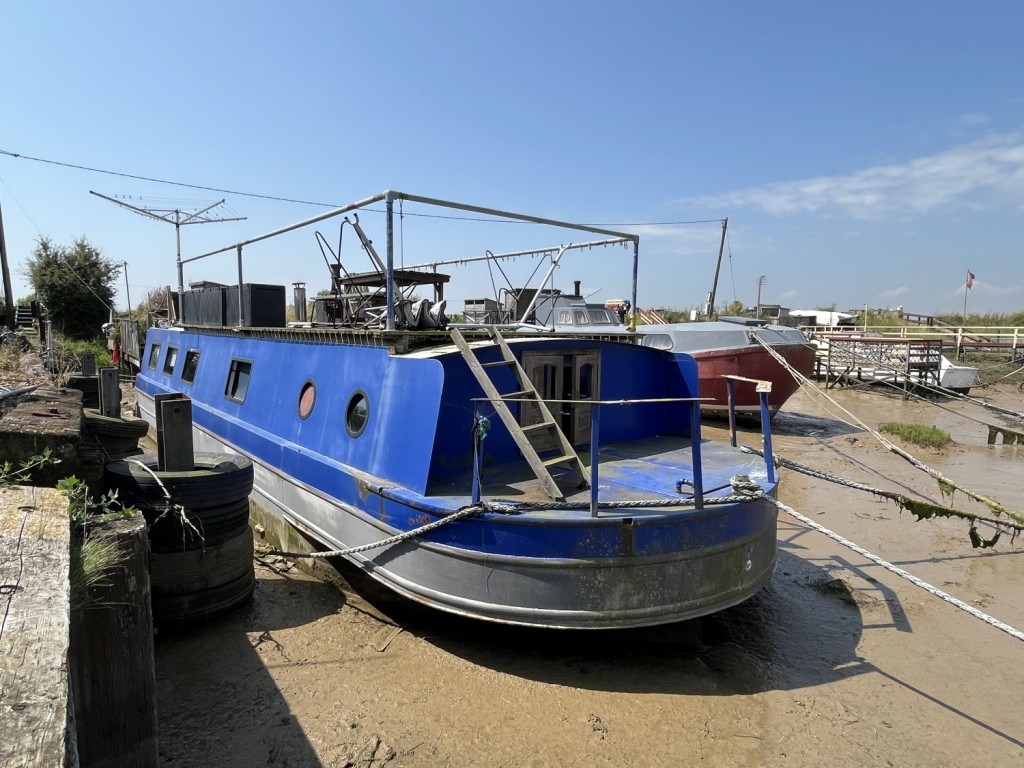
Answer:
(695, 436)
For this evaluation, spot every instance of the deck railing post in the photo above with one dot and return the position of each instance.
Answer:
(595, 430)
(732, 411)
(698, 479)
(476, 454)
(766, 435)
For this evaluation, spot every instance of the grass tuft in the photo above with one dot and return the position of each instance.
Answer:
(92, 563)
(918, 434)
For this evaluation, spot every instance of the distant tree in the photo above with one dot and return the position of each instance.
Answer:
(153, 307)
(76, 284)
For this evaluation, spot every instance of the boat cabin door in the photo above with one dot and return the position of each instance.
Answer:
(571, 377)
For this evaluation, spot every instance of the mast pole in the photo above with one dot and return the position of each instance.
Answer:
(718, 267)
(389, 278)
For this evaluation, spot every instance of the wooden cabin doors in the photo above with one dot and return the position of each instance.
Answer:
(567, 382)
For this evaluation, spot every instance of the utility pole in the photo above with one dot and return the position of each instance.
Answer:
(761, 280)
(178, 218)
(8, 295)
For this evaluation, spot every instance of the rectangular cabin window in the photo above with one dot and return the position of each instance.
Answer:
(238, 380)
(154, 355)
(188, 371)
(170, 360)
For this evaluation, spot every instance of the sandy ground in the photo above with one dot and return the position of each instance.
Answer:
(837, 662)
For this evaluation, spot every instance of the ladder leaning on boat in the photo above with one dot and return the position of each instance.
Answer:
(528, 438)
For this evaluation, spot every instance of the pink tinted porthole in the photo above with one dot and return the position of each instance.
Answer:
(307, 399)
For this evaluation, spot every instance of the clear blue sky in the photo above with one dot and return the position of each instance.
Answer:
(864, 153)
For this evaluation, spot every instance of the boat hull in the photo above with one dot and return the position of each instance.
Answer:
(728, 348)
(731, 555)
(752, 362)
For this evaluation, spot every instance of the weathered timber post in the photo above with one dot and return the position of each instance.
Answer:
(88, 360)
(34, 629)
(112, 664)
(174, 433)
(110, 392)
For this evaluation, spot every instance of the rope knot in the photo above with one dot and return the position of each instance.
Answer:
(744, 486)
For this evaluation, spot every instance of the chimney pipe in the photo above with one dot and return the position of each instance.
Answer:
(299, 301)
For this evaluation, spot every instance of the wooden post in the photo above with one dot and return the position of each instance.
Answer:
(112, 662)
(110, 393)
(174, 434)
(88, 361)
(34, 629)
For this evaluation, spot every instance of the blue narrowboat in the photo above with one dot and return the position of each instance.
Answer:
(522, 476)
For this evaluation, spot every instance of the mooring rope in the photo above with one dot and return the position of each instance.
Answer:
(169, 505)
(931, 589)
(740, 483)
(939, 390)
(746, 491)
(460, 515)
(945, 483)
(922, 509)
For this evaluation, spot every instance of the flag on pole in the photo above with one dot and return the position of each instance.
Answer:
(970, 278)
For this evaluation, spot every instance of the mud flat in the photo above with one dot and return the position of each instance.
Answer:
(837, 662)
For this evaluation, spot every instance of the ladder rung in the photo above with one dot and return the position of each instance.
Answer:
(539, 426)
(500, 362)
(558, 460)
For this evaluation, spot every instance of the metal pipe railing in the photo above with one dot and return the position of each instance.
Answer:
(764, 388)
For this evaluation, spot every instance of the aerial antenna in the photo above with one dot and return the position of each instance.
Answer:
(178, 217)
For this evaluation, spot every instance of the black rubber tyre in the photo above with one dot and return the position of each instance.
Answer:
(205, 527)
(217, 480)
(170, 610)
(198, 570)
(119, 447)
(126, 426)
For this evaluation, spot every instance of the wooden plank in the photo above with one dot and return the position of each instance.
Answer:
(158, 400)
(175, 441)
(110, 393)
(34, 629)
(113, 670)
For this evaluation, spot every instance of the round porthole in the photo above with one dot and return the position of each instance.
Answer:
(307, 398)
(357, 414)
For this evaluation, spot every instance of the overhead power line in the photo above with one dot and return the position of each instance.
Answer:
(276, 198)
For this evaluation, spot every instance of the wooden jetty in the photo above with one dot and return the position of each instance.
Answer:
(904, 362)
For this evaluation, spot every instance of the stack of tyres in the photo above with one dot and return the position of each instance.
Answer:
(119, 435)
(201, 548)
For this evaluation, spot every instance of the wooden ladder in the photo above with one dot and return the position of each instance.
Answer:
(527, 438)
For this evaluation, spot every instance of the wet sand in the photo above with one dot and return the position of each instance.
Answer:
(837, 662)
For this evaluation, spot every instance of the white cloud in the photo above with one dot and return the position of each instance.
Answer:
(893, 293)
(972, 119)
(919, 185)
(791, 294)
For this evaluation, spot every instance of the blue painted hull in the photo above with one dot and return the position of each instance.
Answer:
(412, 464)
